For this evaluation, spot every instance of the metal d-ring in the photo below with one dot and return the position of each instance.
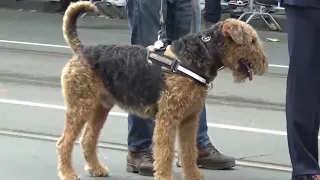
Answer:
(206, 38)
(209, 86)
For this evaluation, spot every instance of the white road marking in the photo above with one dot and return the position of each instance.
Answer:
(121, 114)
(67, 47)
(34, 44)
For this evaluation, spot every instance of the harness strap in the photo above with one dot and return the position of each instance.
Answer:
(167, 63)
(170, 63)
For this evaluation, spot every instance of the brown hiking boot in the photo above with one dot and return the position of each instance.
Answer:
(140, 162)
(210, 158)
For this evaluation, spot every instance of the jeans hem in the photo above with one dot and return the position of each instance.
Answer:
(134, 149)
(203, 144)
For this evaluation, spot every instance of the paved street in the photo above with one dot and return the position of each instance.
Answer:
(245, 120)
(36, 160)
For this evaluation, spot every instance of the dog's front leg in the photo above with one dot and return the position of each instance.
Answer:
(164, 138)
(188, 151)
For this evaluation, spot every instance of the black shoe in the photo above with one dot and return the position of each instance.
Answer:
(307, 177)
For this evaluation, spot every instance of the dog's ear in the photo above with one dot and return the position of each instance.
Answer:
(233, 29)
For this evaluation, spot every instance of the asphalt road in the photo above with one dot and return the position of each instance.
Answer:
(245, 120)
(33, 159)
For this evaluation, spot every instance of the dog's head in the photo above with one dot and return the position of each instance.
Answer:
(231, 43)
(242, 50)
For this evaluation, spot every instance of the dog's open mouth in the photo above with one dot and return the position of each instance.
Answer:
(244, 68)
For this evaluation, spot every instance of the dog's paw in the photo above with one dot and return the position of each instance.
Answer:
(72, 176)
(99, 171)
(163, 177)
(197, 176)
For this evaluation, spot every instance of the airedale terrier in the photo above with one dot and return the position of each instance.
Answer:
(99, 77)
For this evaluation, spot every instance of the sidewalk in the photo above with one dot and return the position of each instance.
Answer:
(35, 159)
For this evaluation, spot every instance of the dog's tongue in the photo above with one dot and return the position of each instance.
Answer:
(249, 72)
(246, 69)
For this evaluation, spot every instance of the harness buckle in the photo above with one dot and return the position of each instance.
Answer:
(173, 68)
(175, 65)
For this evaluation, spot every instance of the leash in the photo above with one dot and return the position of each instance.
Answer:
(193, 21)
(163, 40)
(162, 34)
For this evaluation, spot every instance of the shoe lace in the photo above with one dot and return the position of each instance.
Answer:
(147, 156)
(316, 177)
(212, 149)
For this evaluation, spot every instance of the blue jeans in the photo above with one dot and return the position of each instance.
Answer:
(144, 24)
(212, 11)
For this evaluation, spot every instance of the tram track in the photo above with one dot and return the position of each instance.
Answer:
(122, 147)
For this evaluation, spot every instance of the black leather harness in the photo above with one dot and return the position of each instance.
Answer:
(170, 64)
(167, 64)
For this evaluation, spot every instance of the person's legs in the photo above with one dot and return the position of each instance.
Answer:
(179, 26)
(203, 138)
(212, 12)
(303, 89)
(144, 24)
(209, 157)
(64, 5)
(140, 132)
(144, 17)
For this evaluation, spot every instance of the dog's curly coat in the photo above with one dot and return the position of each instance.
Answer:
(99, 77)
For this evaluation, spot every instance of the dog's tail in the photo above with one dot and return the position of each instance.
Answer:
(70, 20)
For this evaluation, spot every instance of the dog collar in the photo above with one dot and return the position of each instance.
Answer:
(205, 39)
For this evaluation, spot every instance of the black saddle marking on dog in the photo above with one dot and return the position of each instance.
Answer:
(126, 74)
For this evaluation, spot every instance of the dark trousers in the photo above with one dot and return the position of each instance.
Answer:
(212, 11)
(144, 24)
(303, 89)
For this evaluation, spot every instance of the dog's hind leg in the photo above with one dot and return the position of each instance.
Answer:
(188, 147)
(80, 87)
(89, 141)
(76, 117)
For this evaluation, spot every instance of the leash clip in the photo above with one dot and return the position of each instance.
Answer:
(161, 44)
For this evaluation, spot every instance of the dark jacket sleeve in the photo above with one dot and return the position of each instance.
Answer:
(303, 3)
